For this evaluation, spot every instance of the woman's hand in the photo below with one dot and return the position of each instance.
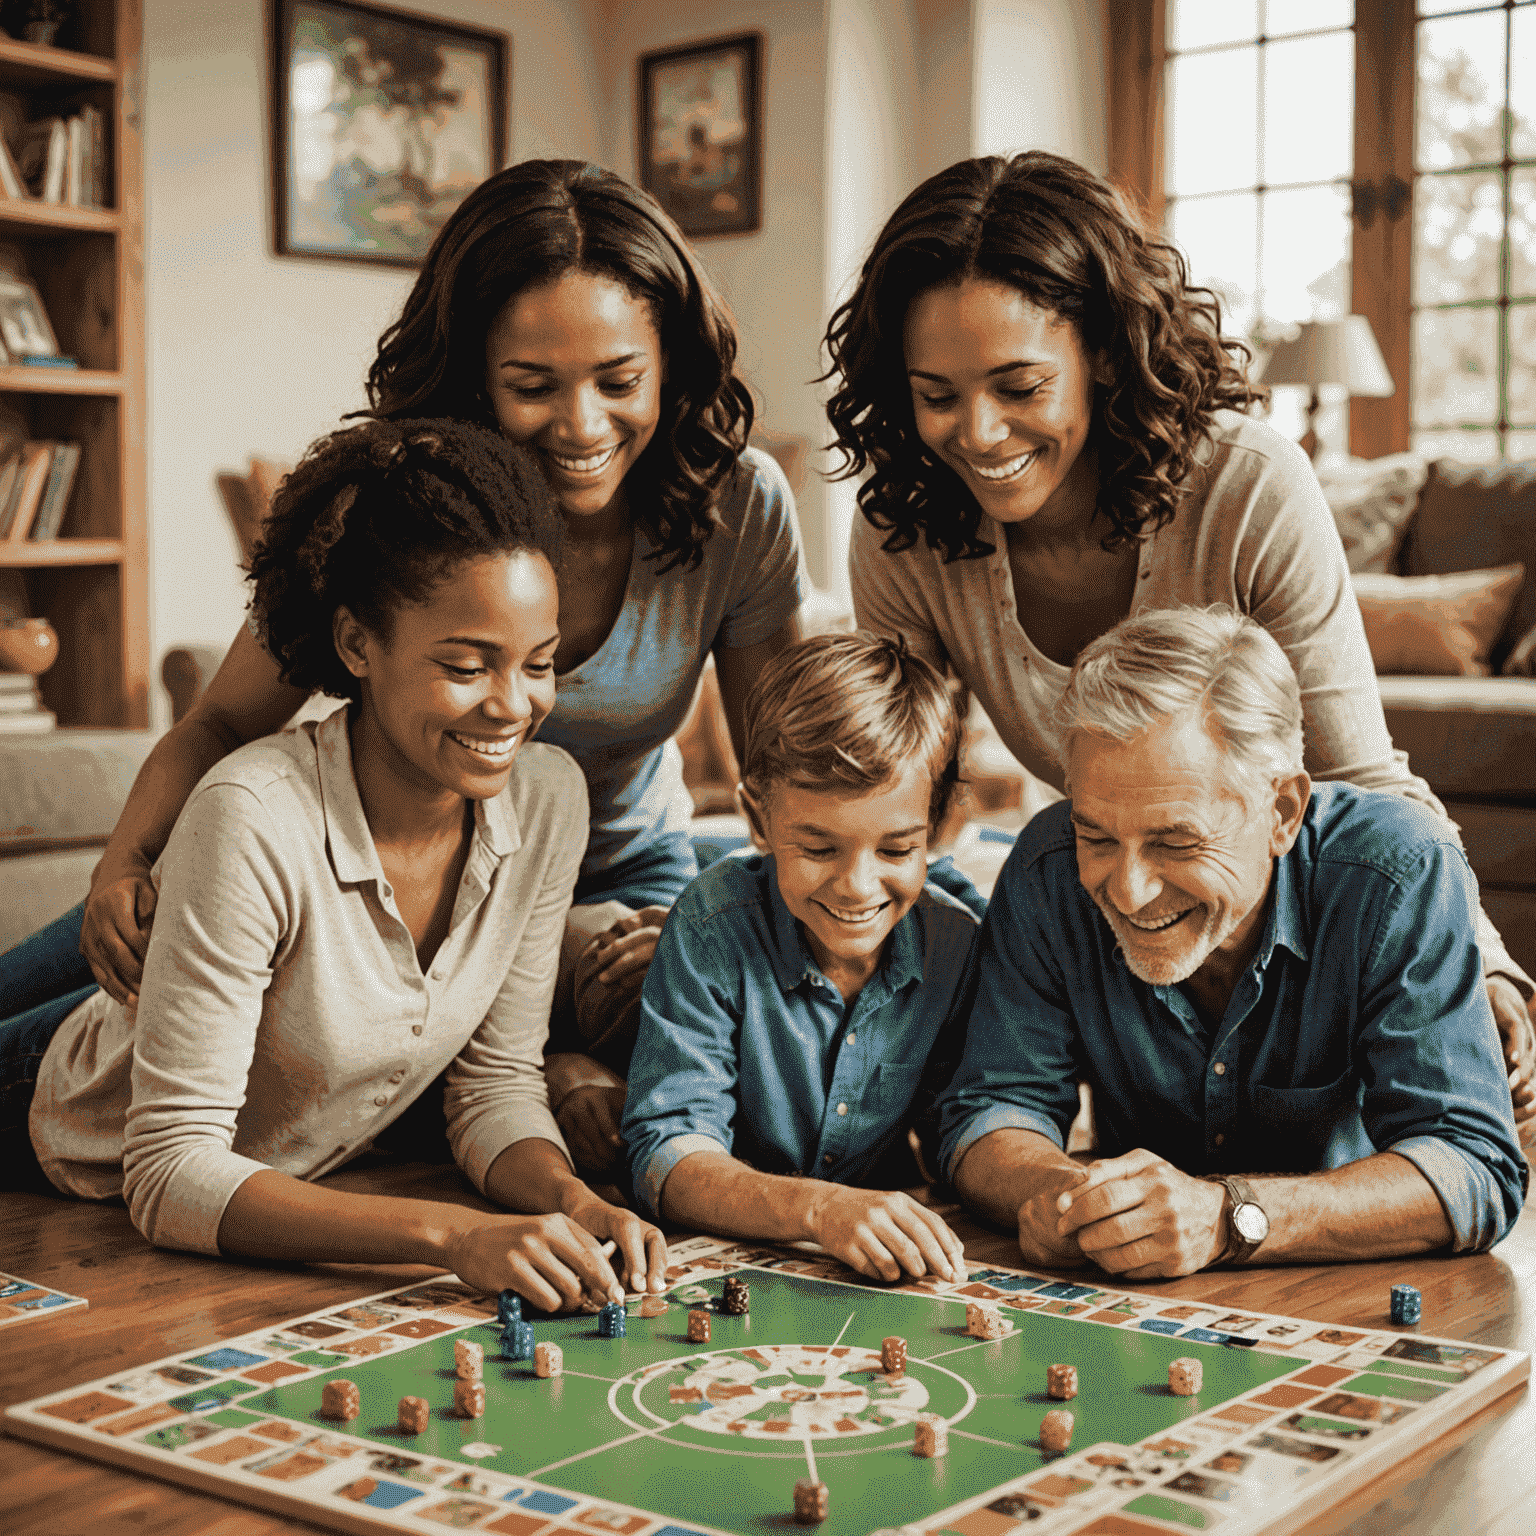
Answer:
(588, 1118)
(642, 1251)
(552, 1261)
(114, 935)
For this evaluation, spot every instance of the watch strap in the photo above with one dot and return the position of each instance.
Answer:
(1239, 1192)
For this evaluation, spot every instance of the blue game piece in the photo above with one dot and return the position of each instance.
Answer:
(1406, 1304)
(509, 1308)
(612, 1321)
(517, 1342)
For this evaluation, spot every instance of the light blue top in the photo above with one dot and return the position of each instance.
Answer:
(616, 712)
(1362, 1024)
(745, 1047)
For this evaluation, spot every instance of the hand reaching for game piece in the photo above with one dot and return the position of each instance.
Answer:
(1139, 1217)
(553, 1261)
(884, 1234)
(642, 1248)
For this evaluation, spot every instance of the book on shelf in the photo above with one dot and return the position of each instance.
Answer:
(10, 174)
(42, 154)
(55, 499)
(58, 160)
(26, 498)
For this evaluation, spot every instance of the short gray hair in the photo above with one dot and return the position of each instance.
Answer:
(1171, 660)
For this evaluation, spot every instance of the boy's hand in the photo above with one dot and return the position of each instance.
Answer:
(884, 1233)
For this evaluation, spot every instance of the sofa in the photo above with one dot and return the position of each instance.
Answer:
(1470, 732)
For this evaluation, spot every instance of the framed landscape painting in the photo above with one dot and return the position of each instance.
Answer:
(701, 134)
(382, 121)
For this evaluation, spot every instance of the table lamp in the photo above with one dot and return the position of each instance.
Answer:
(1343, 352)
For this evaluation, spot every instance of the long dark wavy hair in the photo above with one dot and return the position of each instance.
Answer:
(377, 515)
(532, 224)
(1073, 245)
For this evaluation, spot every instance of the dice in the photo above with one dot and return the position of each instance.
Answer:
(339, 1400)
(1061, 1382)
(1184, 1376)
(414, 1415)
(736, 1299)
(469, 1399)
(1407, 1304)
(468, 1360)
(548, 1360)
(810, 1502)
(893, 1356)
(930, 1436)
(1056, 1431)
(698, 1327)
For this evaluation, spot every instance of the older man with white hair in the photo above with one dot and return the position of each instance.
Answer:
(1273, 987)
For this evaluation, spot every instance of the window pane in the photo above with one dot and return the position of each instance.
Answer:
(1522, 233)
(1522, 362)
(1460, 98)
(1477, 447)
(1282, 16)
(1219, 235)
(1309, 108)
(1195, 23)
(1457, 225)
(1305, 267)
(1212, 103)
(1455, 367)
(1522, 83)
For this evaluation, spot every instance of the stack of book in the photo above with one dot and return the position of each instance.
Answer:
(35, 481)
(58, 160)
(21, 707)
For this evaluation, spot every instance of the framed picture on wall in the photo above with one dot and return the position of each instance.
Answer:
(701, 134)
(382, 121)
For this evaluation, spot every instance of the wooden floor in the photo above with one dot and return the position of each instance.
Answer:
(1479, 1480)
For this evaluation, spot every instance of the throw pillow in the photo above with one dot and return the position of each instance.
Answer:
(1372, 501)
(1440, 626)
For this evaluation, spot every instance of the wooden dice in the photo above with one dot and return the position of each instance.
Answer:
(414, 1415)
(893, 1356)
(810, 1502)
(339, 1400)
(736, 1297)
(469, 1399)
(1056, 1430)
(698, 1327)
(548, 1360)
(468, 1360)
(1061, 1382)
(984, 1322)
(930, 1436)
(1184, 1376)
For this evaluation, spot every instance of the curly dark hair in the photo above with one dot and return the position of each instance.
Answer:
(1073, 245)
(376, 516)
(532, 224)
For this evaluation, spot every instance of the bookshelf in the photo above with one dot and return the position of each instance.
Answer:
(92, 582)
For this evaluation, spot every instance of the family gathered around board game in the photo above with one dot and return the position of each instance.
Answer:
(464, 917)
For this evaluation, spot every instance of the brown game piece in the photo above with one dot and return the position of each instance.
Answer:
(1056, 1430)
(548, 1360)
(414, 1415)
(1184, 1376)
(468, 1359)
(984, 1322)
(469, 1399)
(340, 1400)
(653, 1306)
(1061, 1381)
(930, 1436)
(893, 1356)
(698, 1327)
(810, 1502)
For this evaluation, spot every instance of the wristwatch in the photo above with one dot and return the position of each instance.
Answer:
(1247, 1225)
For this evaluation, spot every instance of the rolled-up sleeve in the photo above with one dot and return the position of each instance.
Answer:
(1019, 1068)
(223, 913)
(683, 1074)
(1435, 1084)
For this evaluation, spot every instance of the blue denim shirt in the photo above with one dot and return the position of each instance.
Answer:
(745, 1047)
(1361, 1026)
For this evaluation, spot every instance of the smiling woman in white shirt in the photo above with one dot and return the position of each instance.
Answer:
(351, 908)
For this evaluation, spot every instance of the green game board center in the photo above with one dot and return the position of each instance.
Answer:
(608, 1428)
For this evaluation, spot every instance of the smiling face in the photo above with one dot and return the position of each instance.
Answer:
(1173, 855)
(850, 867)
(574, 373)
(1002, 392)
(463, 680)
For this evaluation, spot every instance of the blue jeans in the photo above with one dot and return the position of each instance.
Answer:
(45, 966)
(23, 1040)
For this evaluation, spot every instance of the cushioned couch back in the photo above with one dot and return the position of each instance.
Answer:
(1474, 516)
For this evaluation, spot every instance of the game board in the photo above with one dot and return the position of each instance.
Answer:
(651, 1436)
(21, 1301)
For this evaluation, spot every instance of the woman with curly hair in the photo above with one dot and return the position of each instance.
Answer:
(349, 909)
(1054, 436)
(561, 306)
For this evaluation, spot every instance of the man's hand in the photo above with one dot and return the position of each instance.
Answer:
(1040, 1239)
(884, 1234)
(1518, 1037)
(1138, 1217)
(642, 1255)
(114, 936)
(626, 950)
(551, 1260)
(589, 1119)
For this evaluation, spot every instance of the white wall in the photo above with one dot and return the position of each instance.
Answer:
(249, 353)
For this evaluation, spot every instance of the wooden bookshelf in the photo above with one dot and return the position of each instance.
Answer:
(92, 582)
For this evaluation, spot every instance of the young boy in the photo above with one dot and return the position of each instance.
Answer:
(797, 993)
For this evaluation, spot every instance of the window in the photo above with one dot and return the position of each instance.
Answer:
(1316, 157)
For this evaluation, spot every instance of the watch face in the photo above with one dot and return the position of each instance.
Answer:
(1251, 1223)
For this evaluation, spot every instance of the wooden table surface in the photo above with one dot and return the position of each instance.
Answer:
(1478, 1480)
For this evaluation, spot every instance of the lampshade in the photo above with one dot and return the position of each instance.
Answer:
(1332, 352)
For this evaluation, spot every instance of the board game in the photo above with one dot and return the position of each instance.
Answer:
(21, 1301)
(653, 1435)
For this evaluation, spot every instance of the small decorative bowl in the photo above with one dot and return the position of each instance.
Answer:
(27, 645)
